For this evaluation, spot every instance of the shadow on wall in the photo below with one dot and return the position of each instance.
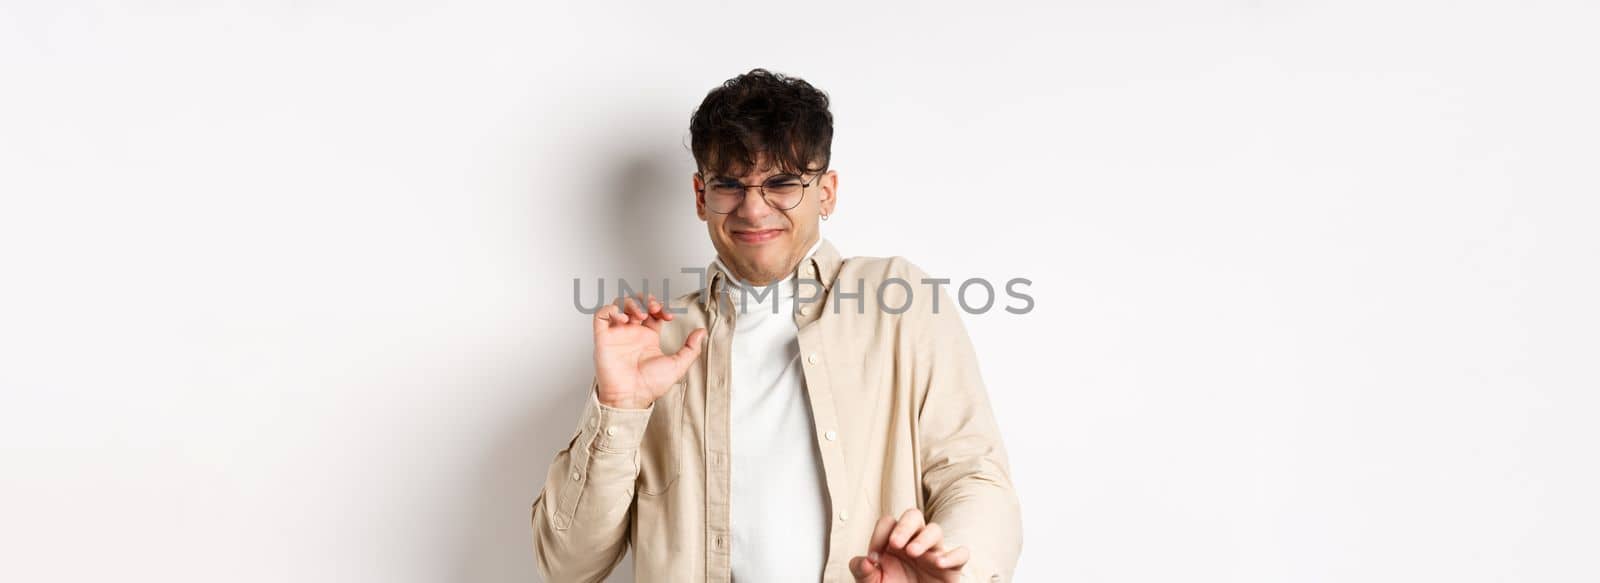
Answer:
(648, 211)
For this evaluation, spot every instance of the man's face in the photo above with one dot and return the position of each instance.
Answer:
(756, 240)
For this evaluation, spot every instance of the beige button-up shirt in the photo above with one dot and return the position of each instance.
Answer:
(902, 420)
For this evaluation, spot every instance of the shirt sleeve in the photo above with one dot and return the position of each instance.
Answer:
(580, 517)
(966, 476)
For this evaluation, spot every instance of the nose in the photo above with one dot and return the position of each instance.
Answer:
(754, 205)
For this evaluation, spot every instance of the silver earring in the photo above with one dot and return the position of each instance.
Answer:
(824, 216)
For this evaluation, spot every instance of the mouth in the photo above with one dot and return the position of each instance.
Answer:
(756, 237)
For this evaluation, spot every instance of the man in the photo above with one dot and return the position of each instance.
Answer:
(809, 419)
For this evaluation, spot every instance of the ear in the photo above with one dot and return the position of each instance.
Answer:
(830, 191)
(699, 196)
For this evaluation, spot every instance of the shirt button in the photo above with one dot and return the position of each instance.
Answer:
(813, 358)
(804, 310)
(575, 476)
(843, 516)
(611, 431)
(831, 435)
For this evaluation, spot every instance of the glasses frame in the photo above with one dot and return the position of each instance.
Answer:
(763, 186)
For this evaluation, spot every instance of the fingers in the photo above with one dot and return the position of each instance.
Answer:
(659, 309)
(864, 568)
(910, 523)
(658, 314)
(880, 534)
(952, 559)
(911, 537)
(620, 312)
(631, 305)
(930, 535)
(636, 309)
(608, 317)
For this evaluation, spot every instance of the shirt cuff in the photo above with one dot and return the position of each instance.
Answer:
(615, 429)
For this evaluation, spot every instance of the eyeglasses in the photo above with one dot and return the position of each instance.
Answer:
(782, 192)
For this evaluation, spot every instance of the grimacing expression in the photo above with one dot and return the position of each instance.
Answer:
(756, 240)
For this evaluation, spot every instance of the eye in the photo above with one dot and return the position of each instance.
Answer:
(788, 180)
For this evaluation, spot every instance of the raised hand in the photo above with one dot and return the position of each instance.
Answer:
(631, 369)
(908, 550)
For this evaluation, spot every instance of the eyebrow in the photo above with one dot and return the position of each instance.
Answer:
(717, 178)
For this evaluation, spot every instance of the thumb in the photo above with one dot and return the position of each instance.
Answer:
(690, 350)
(865, 569)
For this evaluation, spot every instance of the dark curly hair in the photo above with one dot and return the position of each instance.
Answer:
(762, 111)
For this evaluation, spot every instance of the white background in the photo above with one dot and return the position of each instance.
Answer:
(286, 287)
